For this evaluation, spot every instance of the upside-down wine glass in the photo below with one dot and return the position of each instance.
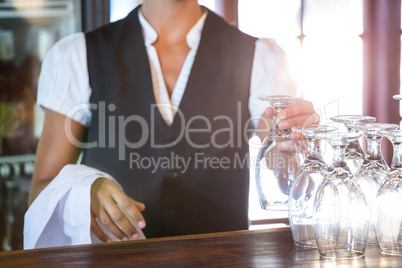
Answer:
(373, 171)
(388, 202)
(276, 169)
(304, 188)
(354, 153)
(340, 217)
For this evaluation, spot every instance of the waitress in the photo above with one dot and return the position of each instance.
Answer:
(171, 83)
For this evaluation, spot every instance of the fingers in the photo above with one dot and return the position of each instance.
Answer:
(110, 224)
(269, 112)
(300, 114)
(287, 145)
(291, 146)
(140, 206)
(300, 108)
(296, 136)
(131, 207)
(115, 210)
(97, 231)
(126, 230)
(301, 120)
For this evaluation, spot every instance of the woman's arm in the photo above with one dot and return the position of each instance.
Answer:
(55, 151)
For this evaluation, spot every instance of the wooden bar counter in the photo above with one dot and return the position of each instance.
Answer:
(266, 248)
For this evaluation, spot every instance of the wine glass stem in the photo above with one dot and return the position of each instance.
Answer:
(349, 128)
(313, 154)
(314, 148)
(397, 158)
(279, 133)
(275, 127)
(374, 148)
(338, 158)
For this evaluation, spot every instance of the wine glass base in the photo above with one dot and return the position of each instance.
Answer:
(306, 243)
(342, 254)
(396, 251)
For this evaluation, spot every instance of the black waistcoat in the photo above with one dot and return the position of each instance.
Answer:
(204, 197)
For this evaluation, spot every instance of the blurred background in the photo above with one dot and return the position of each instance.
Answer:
(344, 54)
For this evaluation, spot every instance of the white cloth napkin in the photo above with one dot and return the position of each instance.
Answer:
(60, 215)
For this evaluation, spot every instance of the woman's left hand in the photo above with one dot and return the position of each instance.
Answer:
(300, 114)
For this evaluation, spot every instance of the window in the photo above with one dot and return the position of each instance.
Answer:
(120, 8)
(322, 39)
(208, 3)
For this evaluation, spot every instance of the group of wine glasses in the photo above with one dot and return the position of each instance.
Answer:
(341, 207)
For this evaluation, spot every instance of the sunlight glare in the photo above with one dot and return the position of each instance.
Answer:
(210, 4)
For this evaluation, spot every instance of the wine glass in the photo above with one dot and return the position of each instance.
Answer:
(388, 202)
(354, 153)
(373, 171)
(374, 159)
(304, 188)
(277, 169)
(340, 217)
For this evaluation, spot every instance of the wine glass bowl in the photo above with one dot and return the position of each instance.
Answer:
(373, 171)
(374, 159)
(340, 217)
(351, 120)
(354, 153)
(388, 202)
(276, 167)
(304, 188)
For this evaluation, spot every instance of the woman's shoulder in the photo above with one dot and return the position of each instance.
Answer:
(63, 82)
(68, 45)
(269, 45)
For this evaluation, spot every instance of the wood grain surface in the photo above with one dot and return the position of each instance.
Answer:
(265, 248)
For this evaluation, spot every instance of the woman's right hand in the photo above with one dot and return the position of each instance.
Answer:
(55, 151)
(106, 197)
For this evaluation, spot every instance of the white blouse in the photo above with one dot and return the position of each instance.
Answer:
(64, 82)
